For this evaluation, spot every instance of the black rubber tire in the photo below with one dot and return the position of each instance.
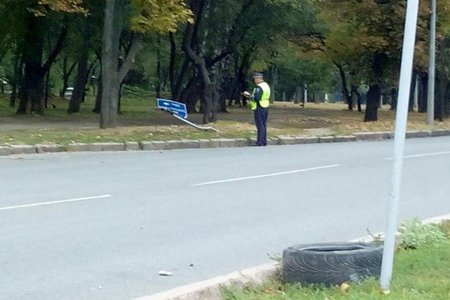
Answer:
(331, 263)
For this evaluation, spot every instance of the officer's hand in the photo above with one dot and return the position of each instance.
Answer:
(246, 94)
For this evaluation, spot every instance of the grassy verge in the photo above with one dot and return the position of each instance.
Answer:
(418, 274)
(141, 121)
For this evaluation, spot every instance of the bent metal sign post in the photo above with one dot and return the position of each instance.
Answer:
(179, 111)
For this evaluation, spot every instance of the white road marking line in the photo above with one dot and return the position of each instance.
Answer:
(54, 202)
(264, 175)
(422, 155)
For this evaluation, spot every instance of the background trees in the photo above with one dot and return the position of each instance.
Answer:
(201, 52)
(41, 27)
(364, 41)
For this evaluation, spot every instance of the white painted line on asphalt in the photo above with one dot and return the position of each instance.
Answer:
(54, 202)
(423, 155)
(264, 175)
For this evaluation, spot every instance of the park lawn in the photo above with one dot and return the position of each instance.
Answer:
(419, 274)
(141, 121)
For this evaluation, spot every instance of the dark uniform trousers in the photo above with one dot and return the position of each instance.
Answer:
(260, 115)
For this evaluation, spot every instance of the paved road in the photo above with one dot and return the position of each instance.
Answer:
(101, 225)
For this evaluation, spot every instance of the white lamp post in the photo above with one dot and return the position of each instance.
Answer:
(432, 65)
(399, 140)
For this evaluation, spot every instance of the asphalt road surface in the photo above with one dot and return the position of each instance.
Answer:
(102, 225)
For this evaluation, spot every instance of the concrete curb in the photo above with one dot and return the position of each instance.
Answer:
(211, 289)
(370, 136)
(440, 132)
(212, 143)
(23, 149)
(5, 150)
(49, 148)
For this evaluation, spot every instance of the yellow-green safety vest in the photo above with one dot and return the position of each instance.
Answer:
(265, 97)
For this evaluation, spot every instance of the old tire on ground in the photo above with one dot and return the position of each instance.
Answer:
(331, 263)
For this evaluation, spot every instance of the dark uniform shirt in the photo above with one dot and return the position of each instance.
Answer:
(257, 94)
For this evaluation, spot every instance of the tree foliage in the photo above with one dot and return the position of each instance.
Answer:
(159, 16)
(42, 7)
(364, 38)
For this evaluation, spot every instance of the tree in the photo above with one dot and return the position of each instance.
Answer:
(83, 42)
(34, 20)
(362, 40)
(210, 95)
(365, 38)
(228, 40)
(148, 15)
(442, 92)
(218, 28)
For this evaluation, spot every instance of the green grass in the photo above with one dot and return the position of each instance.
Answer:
(64, 137)
(418, 274)
(131, 103)
(141, 121)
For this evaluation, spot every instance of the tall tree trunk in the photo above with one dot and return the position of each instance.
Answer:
(374, 93)
(423, 92)
(242, 74)
(359, 102)
(111, 39)
(441, 93)
(120, 98)
(191, 94)
(172, 62)
(98, 99)
(32, 87)
(239, 83)
(394, 98)
(176, 80)
(356, 97)
(210, 94)
(81, 80)
(274, 73)
(47, 89)
(211, 100)
(177, 89)
(373, 100)
(412, 91)
(67, 72)
(158, 68)
(345, 92)
(447, 101)
(17, 76)
(112, 76)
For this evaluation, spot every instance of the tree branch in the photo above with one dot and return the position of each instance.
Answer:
(56, 50)
(136, 43)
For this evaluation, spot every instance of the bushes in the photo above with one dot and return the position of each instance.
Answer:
(414, 234)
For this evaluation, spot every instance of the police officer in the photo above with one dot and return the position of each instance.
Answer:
(259, 103)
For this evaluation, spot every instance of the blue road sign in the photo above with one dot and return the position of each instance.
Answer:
(173, 107)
